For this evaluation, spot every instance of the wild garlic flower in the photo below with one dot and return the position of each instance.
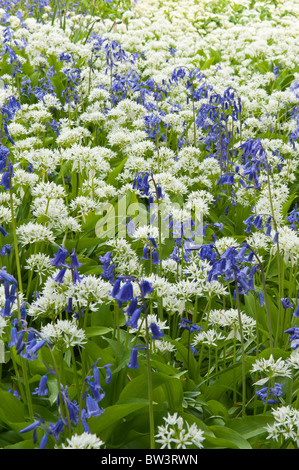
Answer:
(164, 346)
(270, 368)
(83, 441)
(64, 334)
(286, 425)
(40, 263)
(209, 337)
(178, 434)
(229, 320)
(33, 232)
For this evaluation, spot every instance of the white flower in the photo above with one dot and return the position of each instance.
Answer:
(209, 337)
(178, 434)
(286, 425)
(64, 334)
(33, 232)
(83, 441)
(271, 368)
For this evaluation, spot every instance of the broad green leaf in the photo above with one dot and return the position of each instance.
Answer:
(230, 435)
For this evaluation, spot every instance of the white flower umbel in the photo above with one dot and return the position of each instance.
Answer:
(64, 334)
(271, 368)
(178, 434)
(83, 441)
(33, 232)
(286, 425)
(209, 337)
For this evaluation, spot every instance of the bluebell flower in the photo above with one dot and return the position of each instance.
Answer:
(286, 303)
(134, 364)
(43, 442)
(133, 320)
(56, 429)
(275, 391)
(42, 390)
(6, 250)
(261, 299)
(74, 260)
(108, 373)
(60, 275)
(146, 287)
(125, 293)
(132, 307)
(296, 313)
(293, 336)
(156, 332)
(60, 257)
(92, 407)
(116, 288)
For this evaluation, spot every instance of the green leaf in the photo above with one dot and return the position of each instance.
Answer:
(231, 436)
(250, 426)
(97, 331)
(11, 409)
(114, 173)
(113, 415)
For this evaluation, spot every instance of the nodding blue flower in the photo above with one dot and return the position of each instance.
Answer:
(92, 407)
(146, 287)
(146, 253)
(60, 275)
(42, 390)
(32, 347)
(60, 257)
(189, 325)
(6, 250)
(95, 386)
(3, 232)
(134, 364)
(133, 320)
(83, 421)
(76, 277)
(261, 299)
(4, 276)
(296, 313)
(218, 225)
(74, 260)
(156, 257)
(156, 332)
(73, 408)
(108, 373)
(286, 303)
(116, 288)
(293, 336)
(258, 222)
(56, 429)
(43, 442)
(132, 307)
(125, 293)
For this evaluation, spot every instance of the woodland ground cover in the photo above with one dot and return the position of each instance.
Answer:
(149, 224)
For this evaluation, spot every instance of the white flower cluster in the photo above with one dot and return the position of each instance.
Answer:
(178, 434)
(286, 425)
(85, 440)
